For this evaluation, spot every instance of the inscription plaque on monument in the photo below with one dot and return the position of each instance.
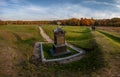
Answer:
(60, 40)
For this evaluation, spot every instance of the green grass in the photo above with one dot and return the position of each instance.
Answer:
(83, 38)
(23, 30)
(114, 46)
(100, 50)
(47, 54)
(74, 34)
(111, 36)
(22, 36)
(16, 47)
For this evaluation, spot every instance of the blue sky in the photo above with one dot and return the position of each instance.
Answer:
(58, 9)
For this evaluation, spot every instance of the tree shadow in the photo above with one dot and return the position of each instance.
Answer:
(93, 61)
(29, 41)
(17, 36)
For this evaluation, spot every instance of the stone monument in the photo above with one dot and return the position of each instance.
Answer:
(59, 46)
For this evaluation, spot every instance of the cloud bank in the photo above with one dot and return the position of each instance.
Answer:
(24, 10)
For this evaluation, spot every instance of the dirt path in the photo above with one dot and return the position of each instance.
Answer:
(44, 35)
(49, 40)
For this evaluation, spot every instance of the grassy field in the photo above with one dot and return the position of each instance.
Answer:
(16, 47)
(79, 36)
(102, 52)
(102, 47)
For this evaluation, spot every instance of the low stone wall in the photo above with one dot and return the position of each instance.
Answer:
(64, 60)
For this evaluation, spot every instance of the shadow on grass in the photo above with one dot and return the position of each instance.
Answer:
(93, 61)
(117, 39)
(29, 41)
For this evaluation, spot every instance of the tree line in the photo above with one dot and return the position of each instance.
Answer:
(23, 22)
(72, 22)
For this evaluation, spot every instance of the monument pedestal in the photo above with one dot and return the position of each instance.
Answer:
(59, 50)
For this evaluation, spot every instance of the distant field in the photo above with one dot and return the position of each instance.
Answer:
(111, 32)
(102, 52)
(111, 29)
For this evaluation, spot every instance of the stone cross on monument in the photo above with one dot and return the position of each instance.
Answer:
(58, 23)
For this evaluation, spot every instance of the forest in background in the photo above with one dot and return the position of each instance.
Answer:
(115, 22)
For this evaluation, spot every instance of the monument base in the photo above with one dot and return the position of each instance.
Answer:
(52, 51)
(59, 50)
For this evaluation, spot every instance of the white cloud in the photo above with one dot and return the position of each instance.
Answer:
(116, 4)
(35, 8)
(33, 12)
(117, 1)
(3, 3)
(17, 1)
